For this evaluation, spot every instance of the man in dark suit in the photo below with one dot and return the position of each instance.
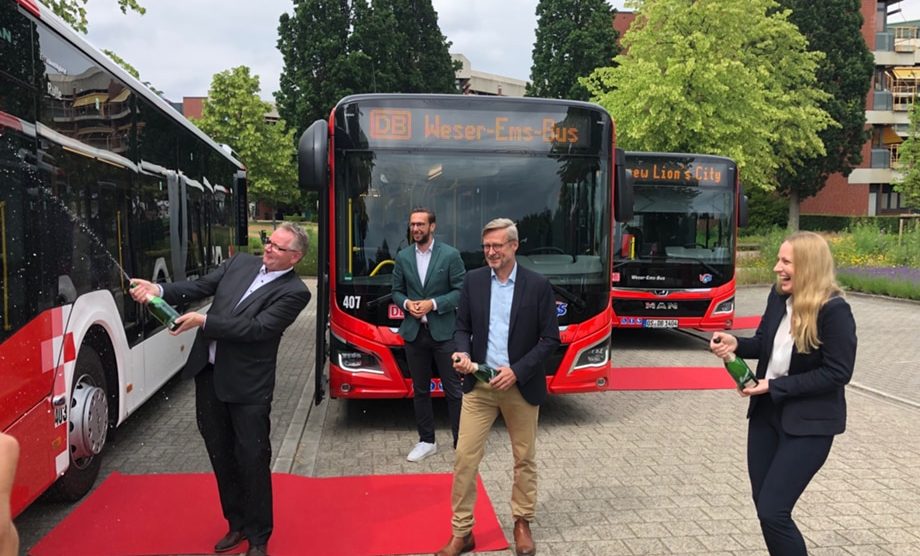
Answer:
(426, 284)
(506, 319)
(233, 361)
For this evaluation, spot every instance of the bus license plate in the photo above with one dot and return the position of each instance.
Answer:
(660, 323)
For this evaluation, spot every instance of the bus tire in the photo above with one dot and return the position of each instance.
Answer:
(88, 424)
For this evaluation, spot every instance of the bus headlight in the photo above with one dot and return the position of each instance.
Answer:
(352, 360)
(595, 356)
(727, 306)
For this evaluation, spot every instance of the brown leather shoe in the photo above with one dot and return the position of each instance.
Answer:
(523, 540)
(458, 545)
(229, 541)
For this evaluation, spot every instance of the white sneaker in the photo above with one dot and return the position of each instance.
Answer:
(422, 450)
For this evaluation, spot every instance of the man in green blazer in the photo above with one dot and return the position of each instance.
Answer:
(426, 284)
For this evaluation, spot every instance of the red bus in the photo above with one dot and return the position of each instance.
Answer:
(674, 264)
(550, 165)
(100, 179)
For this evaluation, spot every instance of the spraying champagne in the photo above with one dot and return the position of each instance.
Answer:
(162, 311)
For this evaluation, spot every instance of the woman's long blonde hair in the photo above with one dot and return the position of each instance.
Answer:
(813, 284)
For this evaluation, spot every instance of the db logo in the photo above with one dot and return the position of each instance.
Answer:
(391, 124)
(395, 313)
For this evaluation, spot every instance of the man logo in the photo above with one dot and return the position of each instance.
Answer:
(661, 306)
(394, 125)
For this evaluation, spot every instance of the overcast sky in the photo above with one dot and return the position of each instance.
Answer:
(180, 44)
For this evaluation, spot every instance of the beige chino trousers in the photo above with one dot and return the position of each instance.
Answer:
(480, 408)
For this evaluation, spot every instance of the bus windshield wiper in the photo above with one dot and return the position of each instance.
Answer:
(575, 300)
(379, 300)
(706, 265)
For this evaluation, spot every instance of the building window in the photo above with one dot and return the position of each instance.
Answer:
(890, 199)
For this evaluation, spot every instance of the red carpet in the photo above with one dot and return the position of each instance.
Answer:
(670, 378)
(742, 323)
(337, 516)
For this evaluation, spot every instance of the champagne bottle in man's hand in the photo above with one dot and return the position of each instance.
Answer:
(162, 311)
(482, 371)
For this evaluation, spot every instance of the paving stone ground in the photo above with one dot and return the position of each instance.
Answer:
(620, 472)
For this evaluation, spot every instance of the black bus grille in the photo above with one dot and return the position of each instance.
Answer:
(660, 308)
(399, 354)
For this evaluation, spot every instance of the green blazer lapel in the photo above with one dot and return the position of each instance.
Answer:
(412, 281)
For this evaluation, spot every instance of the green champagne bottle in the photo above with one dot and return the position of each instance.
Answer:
(162, 311)
(739, 370)
(482, 371)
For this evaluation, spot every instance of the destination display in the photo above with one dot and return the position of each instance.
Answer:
(570, 129)
(679, 172)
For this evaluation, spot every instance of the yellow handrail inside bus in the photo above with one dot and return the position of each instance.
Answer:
(381, 265)
(6, 276)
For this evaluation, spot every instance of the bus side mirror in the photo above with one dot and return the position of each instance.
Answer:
(742, 207)
(623, 197)
(313, 157)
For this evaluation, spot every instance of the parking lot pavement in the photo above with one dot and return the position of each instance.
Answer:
(620, 472)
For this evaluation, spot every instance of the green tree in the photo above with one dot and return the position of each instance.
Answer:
(728, 77)
(573, 38)
(331, 50)
(234, 114)
(74, 12)
(314, 45)
(425, 65)
(908, 183)
(832, 27)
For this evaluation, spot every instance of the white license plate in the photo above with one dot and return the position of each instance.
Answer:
(660, 323)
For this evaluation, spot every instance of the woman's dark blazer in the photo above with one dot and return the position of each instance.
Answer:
(811, 395)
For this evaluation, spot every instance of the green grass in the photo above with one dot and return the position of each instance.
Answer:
(873, 261)
(880, 286)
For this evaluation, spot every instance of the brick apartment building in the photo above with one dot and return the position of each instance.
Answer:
(895, 43)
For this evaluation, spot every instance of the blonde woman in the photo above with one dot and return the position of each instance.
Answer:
(805, 347)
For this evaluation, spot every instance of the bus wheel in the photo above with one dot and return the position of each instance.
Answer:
(88, 422)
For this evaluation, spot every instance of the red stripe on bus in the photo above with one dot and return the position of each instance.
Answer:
(30, 6)
(9, 121)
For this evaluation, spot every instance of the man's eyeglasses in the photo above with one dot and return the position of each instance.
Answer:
(493, 246)
(276, 247)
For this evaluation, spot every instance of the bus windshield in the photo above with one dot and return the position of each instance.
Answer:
(681, 236)
(559, 203)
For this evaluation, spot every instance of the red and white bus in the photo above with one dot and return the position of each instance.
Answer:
(549, 165)
(100, 179)
(674, 264)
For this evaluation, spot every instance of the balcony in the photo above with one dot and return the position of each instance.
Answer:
(905, 39)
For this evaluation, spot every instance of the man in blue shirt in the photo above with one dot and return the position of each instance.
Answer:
(507, 319)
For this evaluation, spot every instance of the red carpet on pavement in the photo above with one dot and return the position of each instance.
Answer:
(742, 323)
(670, 378)
(337, 516)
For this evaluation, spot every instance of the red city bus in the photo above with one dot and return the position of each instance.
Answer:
(100, 179)
(674, 260)
(547, 164)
